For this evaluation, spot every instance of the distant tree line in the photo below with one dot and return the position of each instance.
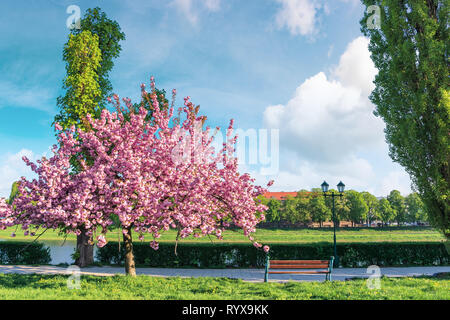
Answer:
(355, 207)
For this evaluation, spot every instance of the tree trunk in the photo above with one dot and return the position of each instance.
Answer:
(85, 250)
(130, 267)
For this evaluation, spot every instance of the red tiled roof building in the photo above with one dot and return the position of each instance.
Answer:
(284, 195)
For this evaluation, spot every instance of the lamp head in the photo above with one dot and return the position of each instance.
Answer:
(325, 186)
(341, 187)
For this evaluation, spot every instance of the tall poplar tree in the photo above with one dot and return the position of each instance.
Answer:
(89, 55)
(82, 56)
(409, 43)
(109, 37)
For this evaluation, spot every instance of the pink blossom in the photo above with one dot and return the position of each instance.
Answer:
(132, 175)
(257, 245)
(154, 245)
(101, 241)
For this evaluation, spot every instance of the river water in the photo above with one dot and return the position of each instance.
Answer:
(61, 252)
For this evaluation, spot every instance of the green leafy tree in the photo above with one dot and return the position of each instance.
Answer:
(109, 37)
(290, 210)
(397, 202)
(146, 102)
(340, 206)
(319, 210)
(372, 206)
(82, 56)
(357, 206)
(410, 50)
(302, 209)
(415, 208)
(14, 191)
(342, 209)
(89, 55)
(273, 213)
(385, 211)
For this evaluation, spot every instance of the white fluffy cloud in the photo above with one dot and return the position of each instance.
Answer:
(12, 168)
(328, 130)
(327, 118)
(398, 180)
(301, 17)
(356, 68)
(298, 16)
(296, 174)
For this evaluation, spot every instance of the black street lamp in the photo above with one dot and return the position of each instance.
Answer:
(341, 188)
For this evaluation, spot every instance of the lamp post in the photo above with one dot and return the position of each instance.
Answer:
(341, 188)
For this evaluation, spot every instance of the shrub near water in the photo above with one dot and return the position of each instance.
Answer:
(206, 255)
(12, 252)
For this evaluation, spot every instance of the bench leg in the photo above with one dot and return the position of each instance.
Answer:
(266, 274)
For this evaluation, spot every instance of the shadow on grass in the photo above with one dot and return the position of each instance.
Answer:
(48, 281)
(31, 280)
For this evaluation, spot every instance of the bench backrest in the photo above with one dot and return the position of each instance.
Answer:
(299, 264)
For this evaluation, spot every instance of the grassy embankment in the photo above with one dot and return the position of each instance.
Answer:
(408, 234)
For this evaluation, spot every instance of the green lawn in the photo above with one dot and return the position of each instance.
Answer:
(279, 236)
(28, 287)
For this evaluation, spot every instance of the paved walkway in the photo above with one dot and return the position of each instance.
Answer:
(254, 275)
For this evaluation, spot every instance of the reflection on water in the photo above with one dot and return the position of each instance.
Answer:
(61, 251)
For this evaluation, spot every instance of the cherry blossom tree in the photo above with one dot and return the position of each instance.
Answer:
(151, 176)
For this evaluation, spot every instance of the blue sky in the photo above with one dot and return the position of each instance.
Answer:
(297, 66)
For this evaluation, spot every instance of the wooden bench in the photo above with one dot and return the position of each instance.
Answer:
(287, 267)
